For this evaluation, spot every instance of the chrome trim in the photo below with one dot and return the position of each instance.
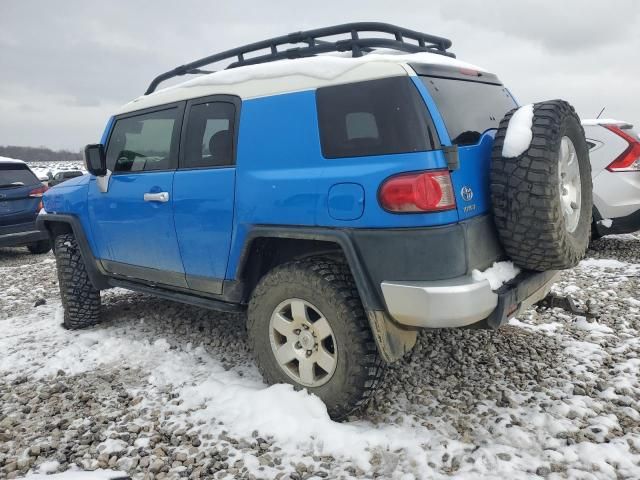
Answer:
(446, 303)
(161, 197)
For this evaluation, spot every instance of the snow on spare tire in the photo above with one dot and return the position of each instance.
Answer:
(541, 186)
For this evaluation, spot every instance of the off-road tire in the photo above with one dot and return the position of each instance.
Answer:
(43, 246)
(525, 192)
(80, 300)
(327, 284)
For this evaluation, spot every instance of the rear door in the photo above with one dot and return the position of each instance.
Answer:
(204, 188)
(134, 217)
(18, 205)
(471, 105)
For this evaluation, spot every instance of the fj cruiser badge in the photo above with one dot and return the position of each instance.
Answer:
(467, 193)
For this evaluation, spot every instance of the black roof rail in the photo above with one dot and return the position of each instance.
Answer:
(403, 40)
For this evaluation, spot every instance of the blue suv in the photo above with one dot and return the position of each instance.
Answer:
(20, 202)
(344, 196)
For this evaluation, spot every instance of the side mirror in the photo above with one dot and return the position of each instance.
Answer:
(95, 159)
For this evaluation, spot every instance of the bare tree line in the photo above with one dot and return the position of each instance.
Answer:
(39, 154)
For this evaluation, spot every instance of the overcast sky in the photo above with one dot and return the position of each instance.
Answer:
(66, 65)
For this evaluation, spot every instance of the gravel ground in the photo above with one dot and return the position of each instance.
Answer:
(164, 391)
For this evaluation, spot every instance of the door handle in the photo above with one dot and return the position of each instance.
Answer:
(161, 197)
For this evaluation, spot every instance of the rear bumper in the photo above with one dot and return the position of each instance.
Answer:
(627, 224)
(463, 301)
(22, 234)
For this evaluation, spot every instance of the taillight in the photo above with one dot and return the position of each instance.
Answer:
(38, 192)
(418, 192)
(629, 160)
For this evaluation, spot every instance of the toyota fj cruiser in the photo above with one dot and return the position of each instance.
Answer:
(341, 191)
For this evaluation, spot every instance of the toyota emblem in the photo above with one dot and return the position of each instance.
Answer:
(467, 193)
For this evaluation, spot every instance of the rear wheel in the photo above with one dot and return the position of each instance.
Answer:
(80, 299)
(307, 328)
(542, 199)
(43, 246)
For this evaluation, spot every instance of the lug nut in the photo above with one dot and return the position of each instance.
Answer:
(309, 352)
(297, 331)
(305, 326)
(298, 345)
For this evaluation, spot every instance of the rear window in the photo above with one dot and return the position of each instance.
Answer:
(469, 108)
(16, 175)
(376, 117)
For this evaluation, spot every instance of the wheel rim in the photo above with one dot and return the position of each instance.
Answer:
(569, 184)
(303, 343)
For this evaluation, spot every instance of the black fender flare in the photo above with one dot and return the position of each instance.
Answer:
(392, 339)
(46, 222)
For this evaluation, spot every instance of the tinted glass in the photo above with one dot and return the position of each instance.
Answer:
(15, 174)
(142, 143)
(209, 140)
(376, 117)
(469, 108)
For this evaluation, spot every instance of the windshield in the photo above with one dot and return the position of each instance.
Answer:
(469, 108)
(16, 175)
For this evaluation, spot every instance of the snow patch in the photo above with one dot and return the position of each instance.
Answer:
(76, 474)
(602, 263)
(605, 222)
(497, 275)
(112, 445)
(324, 67)
(519, 133)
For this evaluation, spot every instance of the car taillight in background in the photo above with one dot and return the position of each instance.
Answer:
(418, 192)
(37, 193)
(629, 160)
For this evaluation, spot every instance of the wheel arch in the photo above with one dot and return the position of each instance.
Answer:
(267, 247)
(57, 224)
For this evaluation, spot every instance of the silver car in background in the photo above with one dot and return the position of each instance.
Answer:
(615, 167)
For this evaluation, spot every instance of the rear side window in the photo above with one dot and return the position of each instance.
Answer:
(143, 142)
(209, 140)
(375, 117)
(16, 175)
(469, 108)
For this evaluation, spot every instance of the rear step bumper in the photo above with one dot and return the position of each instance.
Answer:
(463, 301)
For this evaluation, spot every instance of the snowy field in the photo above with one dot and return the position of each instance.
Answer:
(43, 168)
(165, 391)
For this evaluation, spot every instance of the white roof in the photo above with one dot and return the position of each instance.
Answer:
(286, 76)
(602, 121)
(10, 160)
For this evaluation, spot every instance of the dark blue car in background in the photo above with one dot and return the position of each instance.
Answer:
(20, 202)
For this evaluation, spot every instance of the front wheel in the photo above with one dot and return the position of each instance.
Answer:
(307, 328)
(80, 299)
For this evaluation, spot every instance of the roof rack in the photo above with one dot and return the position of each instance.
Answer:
(421, 42)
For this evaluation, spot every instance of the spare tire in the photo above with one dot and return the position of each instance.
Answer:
(542, 196)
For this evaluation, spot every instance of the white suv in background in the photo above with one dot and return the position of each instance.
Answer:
(615, 168)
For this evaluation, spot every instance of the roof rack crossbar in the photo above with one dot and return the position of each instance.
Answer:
(404, 40)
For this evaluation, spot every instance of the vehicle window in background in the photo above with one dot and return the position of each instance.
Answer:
(469, 108)
(16, 174)
(377, 117)
(209, 141)
(142, 143)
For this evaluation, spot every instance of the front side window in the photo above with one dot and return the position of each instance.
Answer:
(376, 117)
(142, 142)
(209, 139)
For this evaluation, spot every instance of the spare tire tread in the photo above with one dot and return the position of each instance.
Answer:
(524, 193)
